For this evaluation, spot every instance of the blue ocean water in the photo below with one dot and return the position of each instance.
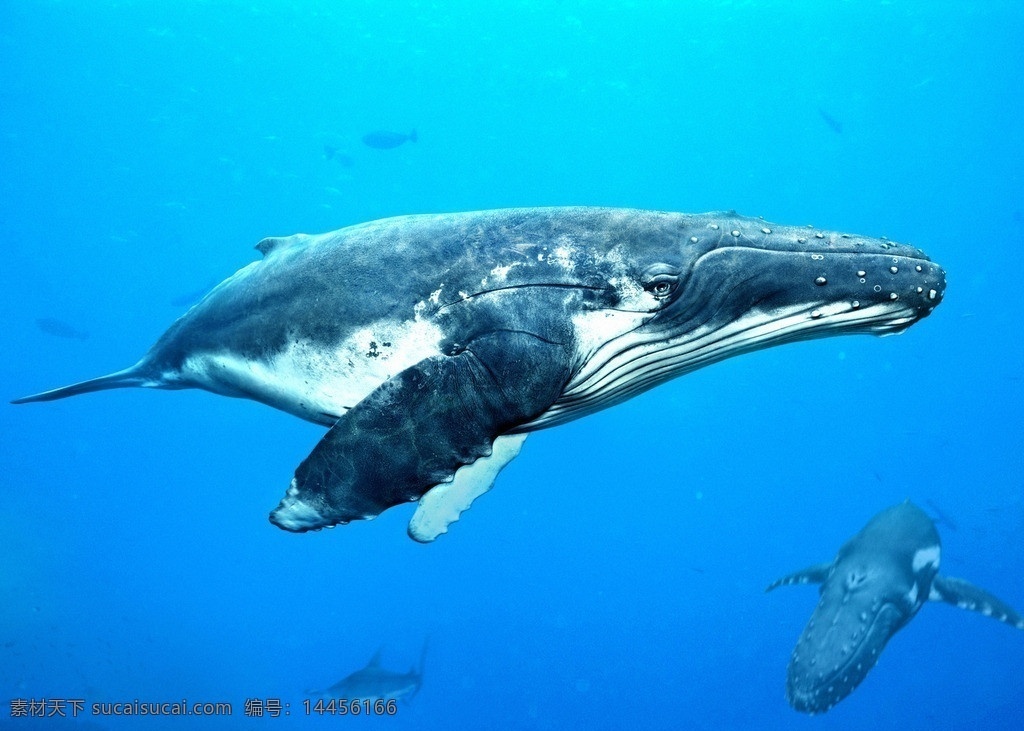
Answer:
(614, 576)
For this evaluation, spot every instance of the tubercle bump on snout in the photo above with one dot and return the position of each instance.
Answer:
(866, 268)
(922, 283)
(731, 229)
(847, 275)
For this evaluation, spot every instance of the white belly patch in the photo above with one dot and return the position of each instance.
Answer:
(318, 381)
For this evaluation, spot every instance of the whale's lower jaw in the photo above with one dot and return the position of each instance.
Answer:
(639, 360)
(827, 666)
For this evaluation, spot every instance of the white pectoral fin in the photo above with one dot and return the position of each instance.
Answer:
(816, 574)
(966, 595)
(443, 504)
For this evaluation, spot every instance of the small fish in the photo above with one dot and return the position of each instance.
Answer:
(831, 121)
(940, 516)
(60, 329)
(382, 139)
(333, 153)
(375, 683)
(190, 298)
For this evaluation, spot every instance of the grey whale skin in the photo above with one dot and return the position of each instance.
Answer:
(432, 344)
(877, 583)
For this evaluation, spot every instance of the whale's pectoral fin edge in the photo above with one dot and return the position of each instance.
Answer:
(417, 429)
(443, 504)
(811, 575)
(966, 595)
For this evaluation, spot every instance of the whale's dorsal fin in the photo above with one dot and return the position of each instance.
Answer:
(267, 245)
(811, 575)
(966, 595)
(277, 243)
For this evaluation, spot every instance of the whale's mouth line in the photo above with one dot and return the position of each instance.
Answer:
(906, 252)
(636, 361)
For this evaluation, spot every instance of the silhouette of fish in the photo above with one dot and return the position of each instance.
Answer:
(382, 139)
(60, 329)
(940, 516)
(373, 682)
(190, 298)
(333, 153)
(831, 121)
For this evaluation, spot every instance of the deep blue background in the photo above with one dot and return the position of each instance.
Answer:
(614, 577)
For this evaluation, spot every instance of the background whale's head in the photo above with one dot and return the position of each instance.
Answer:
(878, 582)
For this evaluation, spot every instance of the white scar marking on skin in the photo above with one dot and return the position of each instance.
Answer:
(926, 557)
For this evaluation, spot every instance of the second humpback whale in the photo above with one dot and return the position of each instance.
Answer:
(877, 583)
(431, 345)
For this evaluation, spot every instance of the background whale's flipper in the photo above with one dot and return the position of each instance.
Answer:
(128, 378)
(811, 575)
(966, 595)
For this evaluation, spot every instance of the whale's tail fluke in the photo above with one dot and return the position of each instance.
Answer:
(128, 378)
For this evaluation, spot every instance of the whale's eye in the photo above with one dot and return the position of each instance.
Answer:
(661, 285)
(661, 289)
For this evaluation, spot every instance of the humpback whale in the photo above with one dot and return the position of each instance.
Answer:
(431, 345)
(877, 583)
